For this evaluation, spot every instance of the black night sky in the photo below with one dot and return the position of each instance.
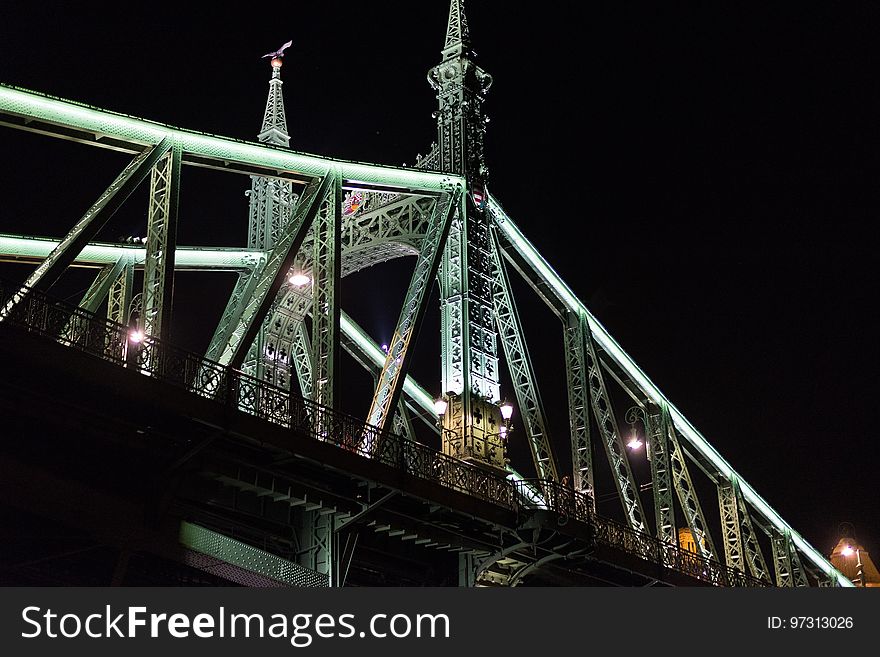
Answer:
(704, 178)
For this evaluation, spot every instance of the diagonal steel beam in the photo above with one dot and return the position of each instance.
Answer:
(687, 494)
(100, 287)
(523, 375)
(229, 320)
(61, 257)
(750, 543)
(394, 370)
(271, 276)
(627, 490)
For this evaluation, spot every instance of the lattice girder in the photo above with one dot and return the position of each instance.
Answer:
(658, 454)
(574, 333)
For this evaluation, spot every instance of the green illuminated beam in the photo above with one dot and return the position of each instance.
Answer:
(97, 254)
(413, 390)
(564, 295)
(29, 110)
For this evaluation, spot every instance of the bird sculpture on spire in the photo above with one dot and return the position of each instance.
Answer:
(279, 52)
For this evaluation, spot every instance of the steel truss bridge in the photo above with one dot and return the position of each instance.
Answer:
(242, 469)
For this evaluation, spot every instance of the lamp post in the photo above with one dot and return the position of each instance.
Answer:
(848, 551)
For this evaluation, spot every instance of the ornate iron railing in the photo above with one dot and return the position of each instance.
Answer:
(35, 312)
(568, 503)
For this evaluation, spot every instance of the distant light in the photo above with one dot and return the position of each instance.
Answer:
(300, 280)
(440, 406)
(385, 348)
(847, 551)
(506, 410)
(136, 336)
(634, 443)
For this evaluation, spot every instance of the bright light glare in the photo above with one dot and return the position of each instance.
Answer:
(136, 336)
(847, 551)
(440, 406)
(507, 411)
(503, 431)
(300, 280)
(634, 443)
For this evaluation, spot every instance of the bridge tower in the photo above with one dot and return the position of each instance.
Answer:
(472, 422)
(271, 204)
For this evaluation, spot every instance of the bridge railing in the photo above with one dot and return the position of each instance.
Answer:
(72, 326)
(568, 503)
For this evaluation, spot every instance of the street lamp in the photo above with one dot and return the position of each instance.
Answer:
(848, 551)
(633, 415)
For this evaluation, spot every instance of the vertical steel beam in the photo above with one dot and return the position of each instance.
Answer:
(521, 372)
(750, 539)
(314, 534)
(271, 276)
(658, 454)
(578, 404)
(687, 494)
(390, 383)
(326, 274)
(161, 244)
(781, 559)
(119, 295)
(797, 568)
(90, 224)
(614, 447)
(730, 525)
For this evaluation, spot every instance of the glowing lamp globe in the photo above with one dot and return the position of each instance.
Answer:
(276, 62)
(300, 280)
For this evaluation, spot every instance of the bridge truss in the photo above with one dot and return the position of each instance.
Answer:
(276, 350)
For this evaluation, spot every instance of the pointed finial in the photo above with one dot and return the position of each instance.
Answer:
(458, 39)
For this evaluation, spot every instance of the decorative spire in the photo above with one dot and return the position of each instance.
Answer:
(458, 39)
(274, 122)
